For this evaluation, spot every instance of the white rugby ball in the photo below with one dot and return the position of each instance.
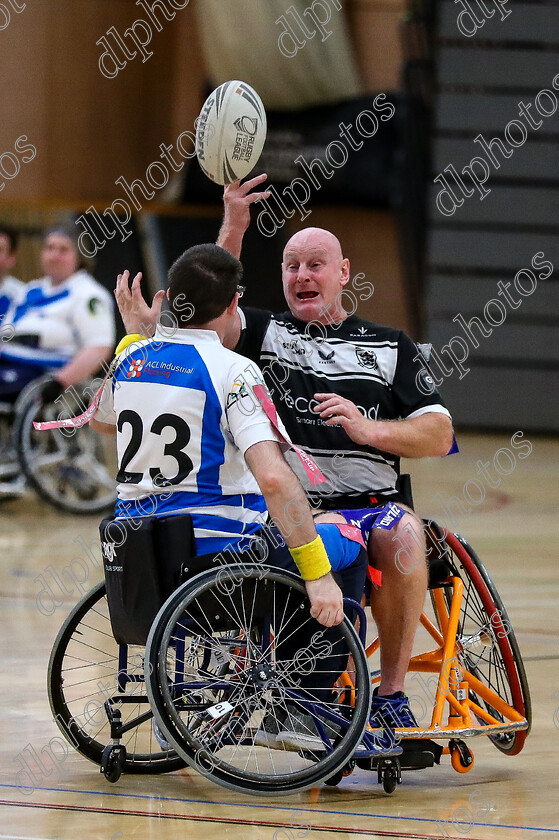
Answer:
(230, 132)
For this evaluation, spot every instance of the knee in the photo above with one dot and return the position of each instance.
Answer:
(402, 549)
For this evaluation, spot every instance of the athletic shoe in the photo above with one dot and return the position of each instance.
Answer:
(299, 732)
(392, 712)
(267, 735)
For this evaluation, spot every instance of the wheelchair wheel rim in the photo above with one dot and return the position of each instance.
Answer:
(73, 472)
(212, 749)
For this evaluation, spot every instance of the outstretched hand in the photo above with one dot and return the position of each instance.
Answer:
(138, 317)
(327, 603)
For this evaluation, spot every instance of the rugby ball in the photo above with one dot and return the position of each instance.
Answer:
(230, 132)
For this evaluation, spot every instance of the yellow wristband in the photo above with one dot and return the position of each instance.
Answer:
(311, 559)
(127, 340)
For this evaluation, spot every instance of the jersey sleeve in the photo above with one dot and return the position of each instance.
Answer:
(106, 410)
(247, 421)
(93, 319)
(254, 323)
(413, 388)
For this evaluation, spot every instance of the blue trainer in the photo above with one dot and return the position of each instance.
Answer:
(392, 712)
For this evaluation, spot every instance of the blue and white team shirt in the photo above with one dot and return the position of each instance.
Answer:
(185, 415)
(12, 291)
(54, 322)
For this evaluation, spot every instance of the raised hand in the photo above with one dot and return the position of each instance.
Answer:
(138, 317)
(237, 199)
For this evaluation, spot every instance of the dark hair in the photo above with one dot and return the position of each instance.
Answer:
(12, 236)
(202, 284)
(70, 233)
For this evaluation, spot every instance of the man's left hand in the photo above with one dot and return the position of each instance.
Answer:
(336, 410)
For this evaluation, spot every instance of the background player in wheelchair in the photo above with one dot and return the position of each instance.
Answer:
(62, 329)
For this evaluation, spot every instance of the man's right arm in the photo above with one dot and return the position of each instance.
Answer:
(236, 213)
(289, 508)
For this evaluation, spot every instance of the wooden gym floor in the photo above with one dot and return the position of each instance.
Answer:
(515, 532)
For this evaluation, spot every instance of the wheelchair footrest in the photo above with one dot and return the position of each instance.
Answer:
(420, 754)
(416, 756)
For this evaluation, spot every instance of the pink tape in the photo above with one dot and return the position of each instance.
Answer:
(311, 467)
(74, 422)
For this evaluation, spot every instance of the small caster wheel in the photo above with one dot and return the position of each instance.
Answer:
(112, 762)
(346, 770)
(390, 780)
(349, 768)
(461, 757)
(335, 779)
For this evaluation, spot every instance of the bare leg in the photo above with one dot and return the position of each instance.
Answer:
(397, 605)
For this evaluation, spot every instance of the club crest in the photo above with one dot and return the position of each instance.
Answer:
(366, 358)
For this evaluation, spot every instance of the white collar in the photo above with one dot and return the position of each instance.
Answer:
(182, 335)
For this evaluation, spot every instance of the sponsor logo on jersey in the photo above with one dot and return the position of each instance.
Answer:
(427, 379)
(295, 347)
(109, 551)
(135, 369)
(360, 332)
(302, 405)
(153, 372)
(94, 304)
(366, 358)
(239, 391)
(327, 354)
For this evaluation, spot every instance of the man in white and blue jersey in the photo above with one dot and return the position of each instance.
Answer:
(62, 323)
(192, 438)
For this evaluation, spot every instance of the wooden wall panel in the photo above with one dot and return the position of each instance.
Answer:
(375, 29)
(88, 129)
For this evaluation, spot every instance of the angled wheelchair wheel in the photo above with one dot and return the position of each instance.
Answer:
(9, 463)
(88, 670)
(486, 643)
(240, 680)
(72, 469)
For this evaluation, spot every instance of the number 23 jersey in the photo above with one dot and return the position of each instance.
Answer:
(185, 415)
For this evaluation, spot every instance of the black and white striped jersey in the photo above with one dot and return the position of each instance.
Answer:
(375, 367)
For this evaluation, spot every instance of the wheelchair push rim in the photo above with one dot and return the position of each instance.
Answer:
(506, 662)
(84, 668)
(255, 683)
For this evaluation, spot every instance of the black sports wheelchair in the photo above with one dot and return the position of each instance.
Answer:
(179, 660)
(71, 469)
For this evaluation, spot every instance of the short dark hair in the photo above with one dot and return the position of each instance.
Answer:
(202, 284)
(12, 235)
(71, 233)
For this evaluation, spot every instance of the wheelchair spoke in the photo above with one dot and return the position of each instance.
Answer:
(234, 651)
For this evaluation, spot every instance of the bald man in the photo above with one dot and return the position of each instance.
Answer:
(346, 391)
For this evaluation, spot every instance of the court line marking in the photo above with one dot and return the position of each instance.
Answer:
(274, 808)
(20, 837)
(89, 809)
